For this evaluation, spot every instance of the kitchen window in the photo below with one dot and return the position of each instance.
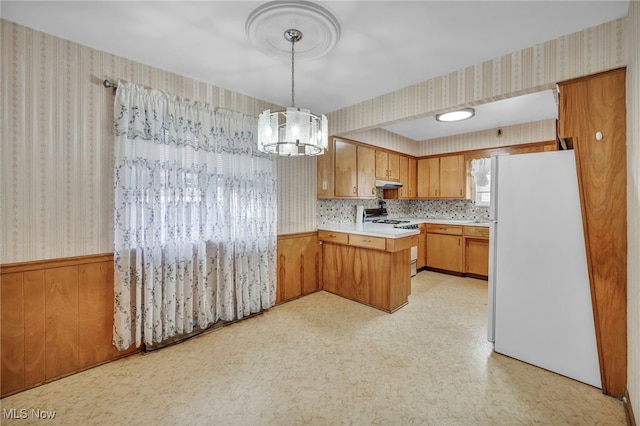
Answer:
(481, 172)
(483, 193)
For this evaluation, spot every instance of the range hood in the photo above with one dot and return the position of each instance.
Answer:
(387, 184)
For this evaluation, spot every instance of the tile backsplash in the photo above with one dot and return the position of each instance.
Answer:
(344, 211)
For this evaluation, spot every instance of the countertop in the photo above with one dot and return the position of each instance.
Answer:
(388, 231)
(463, 222)
(370, 229)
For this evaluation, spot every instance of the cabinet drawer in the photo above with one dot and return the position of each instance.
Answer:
(476, 231)
(333, 237)
(433, 228)
(375, 243)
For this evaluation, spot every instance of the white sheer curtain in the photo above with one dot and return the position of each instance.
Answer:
(195, 217)
(480, 169)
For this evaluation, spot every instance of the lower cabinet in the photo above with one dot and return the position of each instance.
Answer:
(444, 247)
(298, 265)
(476, 257)
(371, 270)
(458, 249)
(476, 249)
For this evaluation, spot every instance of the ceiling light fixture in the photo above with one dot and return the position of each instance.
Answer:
(294, 131)
(459, 115)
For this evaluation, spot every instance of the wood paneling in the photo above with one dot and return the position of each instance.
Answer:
(95, 308)
(34, 328)
(57, 319)
(588, 106)
(298, 266)
(12, 329)
(61, 310)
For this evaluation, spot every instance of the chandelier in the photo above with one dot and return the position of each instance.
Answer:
(295, 131)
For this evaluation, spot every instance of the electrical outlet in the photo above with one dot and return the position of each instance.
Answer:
(325, 185)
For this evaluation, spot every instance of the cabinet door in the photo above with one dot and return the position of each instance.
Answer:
(404, 177)
(452, 176)
(422, 247)
(444, 252)
(346, 171)
(393, 166)
(476, 256)
(412, 192)
(428, 177)
(382, 165)
(366, 172)
(325, 166)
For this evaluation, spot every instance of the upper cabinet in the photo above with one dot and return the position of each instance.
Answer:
(366, 172)
(441, 177)
(408, 177)
(354, 170)
(387, 165)
(326, 172)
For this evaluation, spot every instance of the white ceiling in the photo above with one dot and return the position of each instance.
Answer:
(384, 45)
(507, 112)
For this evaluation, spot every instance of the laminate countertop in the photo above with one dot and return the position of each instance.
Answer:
(370, 229)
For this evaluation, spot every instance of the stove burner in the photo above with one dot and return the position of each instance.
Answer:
(413, 226)
(390, 221)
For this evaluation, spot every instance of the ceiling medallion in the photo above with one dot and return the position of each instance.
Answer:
(320, 27)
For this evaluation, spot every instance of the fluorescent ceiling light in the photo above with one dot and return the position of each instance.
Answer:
(459, 115)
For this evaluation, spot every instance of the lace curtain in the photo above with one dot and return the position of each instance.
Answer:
(195, 224)
(480, 169)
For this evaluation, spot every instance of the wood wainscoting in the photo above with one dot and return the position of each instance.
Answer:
(298, 265)
(57, 319)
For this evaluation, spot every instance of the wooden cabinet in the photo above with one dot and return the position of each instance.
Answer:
(421, 262)
(592, 113)
(444, 247)
(298, 266)
(476, 250)
(326, 172)
(387, 165)
(346, 169)
(371, 270)
(408, 170)
(428, 176)
(354, 170)
(441, 177)
(366, 172)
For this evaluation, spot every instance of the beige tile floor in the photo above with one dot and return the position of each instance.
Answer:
(324, 360)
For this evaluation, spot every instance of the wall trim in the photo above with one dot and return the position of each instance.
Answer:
(628, 410)
(9, 268)
(298, 235)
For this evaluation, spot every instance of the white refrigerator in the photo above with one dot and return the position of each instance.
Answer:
(539, 303)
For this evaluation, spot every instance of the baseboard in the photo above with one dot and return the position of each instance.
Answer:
(631, 420)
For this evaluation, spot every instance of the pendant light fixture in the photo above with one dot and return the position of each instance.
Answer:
(295, 131)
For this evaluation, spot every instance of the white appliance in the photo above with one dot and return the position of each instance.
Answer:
(539, 303)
